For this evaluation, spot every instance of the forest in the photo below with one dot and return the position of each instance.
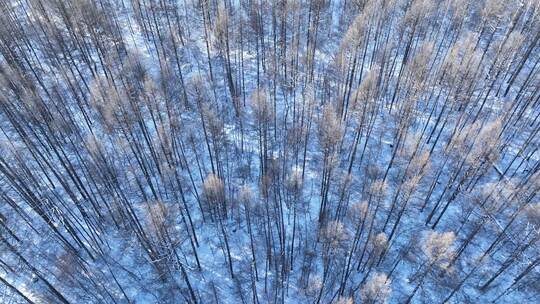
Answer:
(269, 151)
